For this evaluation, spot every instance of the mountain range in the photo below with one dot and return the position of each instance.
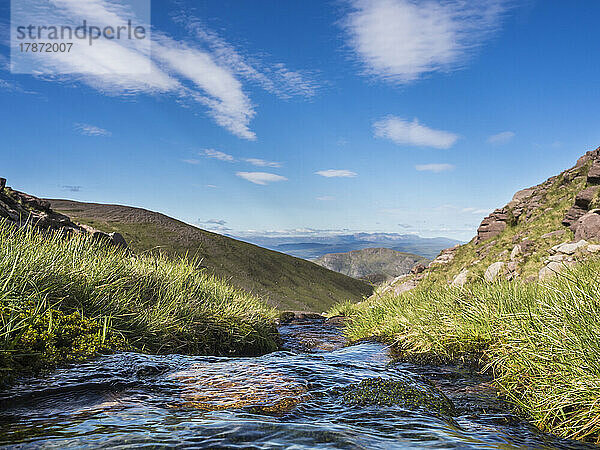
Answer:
(312, 247)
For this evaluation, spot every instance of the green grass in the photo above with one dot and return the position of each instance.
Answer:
(70, 297)
(540, 341)
(285, 282)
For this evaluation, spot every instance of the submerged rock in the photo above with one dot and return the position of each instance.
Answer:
(218, 386)
(382, 392)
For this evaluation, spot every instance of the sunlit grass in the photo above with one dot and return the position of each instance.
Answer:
(151, 303)
(541, 341)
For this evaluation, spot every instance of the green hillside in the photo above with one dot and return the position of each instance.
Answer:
(283, 281)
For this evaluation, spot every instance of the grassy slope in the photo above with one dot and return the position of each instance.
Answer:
(371, 261)
(284, 281)
(63, 298)
(540, 340)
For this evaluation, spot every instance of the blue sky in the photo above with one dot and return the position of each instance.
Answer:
(315, 117)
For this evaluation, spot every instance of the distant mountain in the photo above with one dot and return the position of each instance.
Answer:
(372, 264)
(312, 247)
(282, 280)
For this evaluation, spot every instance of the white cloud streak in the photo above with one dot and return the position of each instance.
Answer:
(436, 167)
(501, 138)
(402, 40)
(91, 130)
(413, 133)
(336, 173)
(262, 163)
(180, 69)
(216, 154)
(261, 178)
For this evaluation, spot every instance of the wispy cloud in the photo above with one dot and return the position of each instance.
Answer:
(191, 161)
(216, 154)
(275, 78)
(326, 198)
(402, 131)
(501, 138)
(336, 173)
(91, 130)
(261, 178)
(185, 70)
(476, 211)
(436, 167)
(262, 163)
(402, 40)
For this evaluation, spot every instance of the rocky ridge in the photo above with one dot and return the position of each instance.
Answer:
(24, 210)
(539, 233)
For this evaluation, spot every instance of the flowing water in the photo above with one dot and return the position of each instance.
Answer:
(296, 398)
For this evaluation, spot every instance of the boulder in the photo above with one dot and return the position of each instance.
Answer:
(572, 216)
(568, 248)
(460, 279)
(516, 251)
(493, 271)
(2, 183)
(591, 155)
(593, 176)
(588, 226)
(418, 268)
(553, 268)
(585, 197)
(593, 248)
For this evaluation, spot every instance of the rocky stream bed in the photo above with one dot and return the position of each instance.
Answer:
(316, 393)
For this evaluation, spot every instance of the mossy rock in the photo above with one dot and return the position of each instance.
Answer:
(382, 392)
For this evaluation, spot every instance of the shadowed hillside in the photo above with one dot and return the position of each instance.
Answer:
(284, 281)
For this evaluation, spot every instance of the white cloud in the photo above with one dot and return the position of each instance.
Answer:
(402, 40)
(262, 163)
(180, 69)
(336, 173)
(91, 130)
(436, 167)
(412, 133)
(274, 78)
(216, 154)
(501, 138)
(260, 177)
(325, 198)
(191, 161)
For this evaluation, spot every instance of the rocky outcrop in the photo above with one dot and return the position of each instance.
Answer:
(24, 210)
(588, 226)
(492, 225)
